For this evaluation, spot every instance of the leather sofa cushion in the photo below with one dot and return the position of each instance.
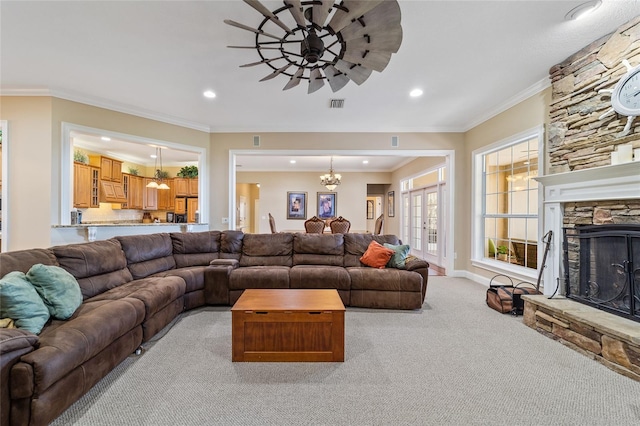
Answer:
(195, 248)
(23, 260)
(148, 254)
(319, 277)
(154, 292)
(231, 244)
(267, 250)
(98, 266)
(193, 276)
(387, 279)
(259, 277)
(318, 249)
(356, 244)
(66, 345)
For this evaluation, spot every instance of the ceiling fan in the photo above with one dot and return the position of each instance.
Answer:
(320, 40)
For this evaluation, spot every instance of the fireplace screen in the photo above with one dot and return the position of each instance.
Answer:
(602, 267)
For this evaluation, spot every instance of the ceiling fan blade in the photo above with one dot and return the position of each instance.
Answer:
(315, 80)
(356, 8)
(296, 11)
(377, 61)
(264, 61)
(337, 80)
(383, 42)
(247, 28)
(383, 18)
(276, 72)
(295, 80)
(357, 73)
(267, 13)
(321, 11)
(253, 47)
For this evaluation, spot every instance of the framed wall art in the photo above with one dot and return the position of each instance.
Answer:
(297, 205)
(391, 204)
(327, 204)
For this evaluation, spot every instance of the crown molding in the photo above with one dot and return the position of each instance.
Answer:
(509, 103)
(103, 103)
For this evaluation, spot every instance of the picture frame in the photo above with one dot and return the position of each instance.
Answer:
(391, 204)
(370, 207)
(327, 204)
(297, 205)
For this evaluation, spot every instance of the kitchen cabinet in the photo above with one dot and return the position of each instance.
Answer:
(192, 208)
(135, 198)
(113, 192)
(150, 196)
(110, 169)
(81, 185)
(133, 188)
(186, 187)
(167, 197)
(180, 206)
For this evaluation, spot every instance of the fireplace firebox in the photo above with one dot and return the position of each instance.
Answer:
(602, 267)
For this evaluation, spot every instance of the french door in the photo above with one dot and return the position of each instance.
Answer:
(426, 224)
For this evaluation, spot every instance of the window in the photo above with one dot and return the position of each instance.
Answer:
(506, 202)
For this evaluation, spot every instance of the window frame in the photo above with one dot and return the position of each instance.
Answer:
(478, 258)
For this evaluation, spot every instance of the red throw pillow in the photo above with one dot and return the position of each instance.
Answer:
(376, 255)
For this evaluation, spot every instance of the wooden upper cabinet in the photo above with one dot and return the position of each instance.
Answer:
(192, 208)
(135, 192)
(81, 185)
(193, 187)
(186, 187)
(110, 169)
(150, 196)
(166, 197)
(180, 206)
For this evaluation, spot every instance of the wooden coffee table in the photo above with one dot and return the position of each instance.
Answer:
(288, 325)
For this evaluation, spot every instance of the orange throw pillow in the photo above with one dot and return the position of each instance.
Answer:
(376, 255)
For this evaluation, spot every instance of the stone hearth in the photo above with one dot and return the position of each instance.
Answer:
(609, 339)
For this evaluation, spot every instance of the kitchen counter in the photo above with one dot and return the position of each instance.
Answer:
(84, 232)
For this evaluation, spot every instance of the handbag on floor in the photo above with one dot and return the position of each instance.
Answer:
(508, 298)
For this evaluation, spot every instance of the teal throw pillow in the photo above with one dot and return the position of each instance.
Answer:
(399, 256)
(20, 302)
(58, 289)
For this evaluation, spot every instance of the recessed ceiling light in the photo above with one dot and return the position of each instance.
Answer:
(153, 156)
(292, 161)
(105, 138)
(209, 94)
(582, 10)
(415, 93)
(365, 161)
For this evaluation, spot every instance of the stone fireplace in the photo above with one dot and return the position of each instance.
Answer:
(583, 187)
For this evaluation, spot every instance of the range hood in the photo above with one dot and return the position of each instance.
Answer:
(112, 192)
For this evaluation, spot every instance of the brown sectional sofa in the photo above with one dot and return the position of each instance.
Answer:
(133, 286)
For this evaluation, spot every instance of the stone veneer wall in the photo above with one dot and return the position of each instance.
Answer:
(610, 340)
(602, 212)
(577, 138)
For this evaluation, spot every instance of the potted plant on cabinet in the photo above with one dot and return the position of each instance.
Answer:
(190, 172)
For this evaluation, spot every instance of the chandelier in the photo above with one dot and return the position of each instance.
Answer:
(159, 174)
(316, 40)
(330, 180)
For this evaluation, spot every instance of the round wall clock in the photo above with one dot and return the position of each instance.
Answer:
(625, 96)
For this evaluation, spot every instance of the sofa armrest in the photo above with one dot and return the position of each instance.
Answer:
(14, 343)
(216, 281)
(422, 267)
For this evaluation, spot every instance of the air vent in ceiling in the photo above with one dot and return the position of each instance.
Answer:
(336, 103)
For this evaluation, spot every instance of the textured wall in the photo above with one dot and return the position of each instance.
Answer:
(578, 138)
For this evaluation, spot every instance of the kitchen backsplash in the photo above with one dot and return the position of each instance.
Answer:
(105, 214)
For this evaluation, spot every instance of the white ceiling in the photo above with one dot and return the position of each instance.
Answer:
(155, 58)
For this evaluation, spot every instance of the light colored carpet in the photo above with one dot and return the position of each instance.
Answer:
(455, 362)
